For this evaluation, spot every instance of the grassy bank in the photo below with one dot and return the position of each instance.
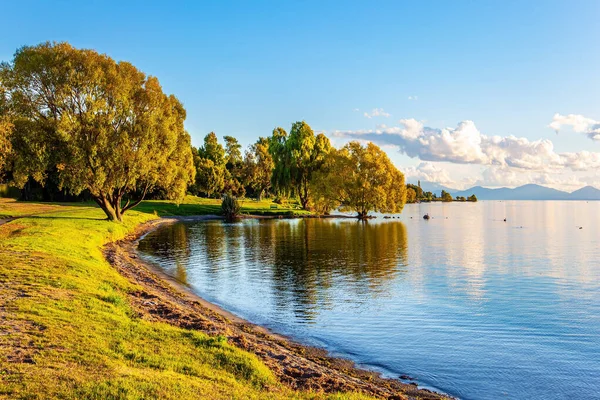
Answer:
(67, 329)
(191, 205)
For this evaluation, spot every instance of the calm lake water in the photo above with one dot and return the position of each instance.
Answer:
(466, 303)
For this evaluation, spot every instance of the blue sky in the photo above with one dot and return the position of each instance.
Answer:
(243, 68)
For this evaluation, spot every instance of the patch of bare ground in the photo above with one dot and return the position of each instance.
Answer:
(17, 337)
(160, 298)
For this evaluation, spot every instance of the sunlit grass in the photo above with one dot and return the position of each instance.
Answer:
(69, 331)
(193, 205)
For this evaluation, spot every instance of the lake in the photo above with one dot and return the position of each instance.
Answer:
(466, 303)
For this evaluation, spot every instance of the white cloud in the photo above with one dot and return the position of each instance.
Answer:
(413, 97)
(377, 112)
(465, 144)
(581, 161)
(430, 172)
(578, 123)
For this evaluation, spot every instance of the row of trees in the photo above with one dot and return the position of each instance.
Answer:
(80, 121)
(222, 169)
(414, 194)
(303, 165)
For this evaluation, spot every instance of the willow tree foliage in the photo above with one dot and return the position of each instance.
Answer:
(362, 179)
(280, 177)
(297, 156)
(104, 125)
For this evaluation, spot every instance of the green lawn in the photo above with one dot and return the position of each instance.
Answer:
(191, 205)
(68, 331)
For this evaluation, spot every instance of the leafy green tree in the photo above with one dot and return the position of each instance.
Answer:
(417, 189)
(213, 150)
(411, 195)
(281, 175)
(210, 162)
(446, 197)
(325, 196)
(104, 125)
(6, 128)
(210, 178)
(233, 152)
(472, 198)
(234, 178)
(296, 158)
(363, 179)
(258, 167)
(307, 156)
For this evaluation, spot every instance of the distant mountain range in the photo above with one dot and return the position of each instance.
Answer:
(525, 192)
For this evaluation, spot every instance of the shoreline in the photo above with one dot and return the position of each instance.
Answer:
(162, 298)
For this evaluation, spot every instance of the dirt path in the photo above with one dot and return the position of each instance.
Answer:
(163, 299)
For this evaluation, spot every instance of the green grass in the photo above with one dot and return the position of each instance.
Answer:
(69, 332)
(193, 205)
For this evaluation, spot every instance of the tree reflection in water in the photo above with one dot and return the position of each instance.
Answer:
(303, 265)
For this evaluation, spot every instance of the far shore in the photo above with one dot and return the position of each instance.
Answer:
(164, 299)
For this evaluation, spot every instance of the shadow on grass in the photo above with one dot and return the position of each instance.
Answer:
(163, 208)
(62, 217)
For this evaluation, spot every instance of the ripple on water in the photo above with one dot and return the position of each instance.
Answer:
(471, 305)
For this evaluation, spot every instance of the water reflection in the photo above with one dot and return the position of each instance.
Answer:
(466, 302)
(297, 263)
(175, 245)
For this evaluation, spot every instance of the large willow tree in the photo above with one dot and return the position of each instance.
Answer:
(104, 125)
(360, 178)
(297, 157)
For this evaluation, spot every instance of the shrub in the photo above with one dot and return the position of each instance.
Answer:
(230, 207)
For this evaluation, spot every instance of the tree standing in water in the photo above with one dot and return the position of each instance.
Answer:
(362, 179)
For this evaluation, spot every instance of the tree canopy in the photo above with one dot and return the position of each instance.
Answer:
(258, 167)
(297, 156)
(362, 179)
(104, 125)
(446, 197)
(6, 128)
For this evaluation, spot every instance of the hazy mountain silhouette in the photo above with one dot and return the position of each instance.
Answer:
(529, 192)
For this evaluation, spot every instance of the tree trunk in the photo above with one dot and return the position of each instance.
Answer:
(304, 202)
(104, 204)
(112, 204)
(303, 194)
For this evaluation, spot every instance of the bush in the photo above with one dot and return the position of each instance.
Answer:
(230, 207)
